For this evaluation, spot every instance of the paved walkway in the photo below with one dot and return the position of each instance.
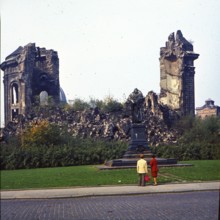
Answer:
(108, 190)
(199, 205)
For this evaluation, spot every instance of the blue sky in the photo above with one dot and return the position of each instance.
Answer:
(110, 47)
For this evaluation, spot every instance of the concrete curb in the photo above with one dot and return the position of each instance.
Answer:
(108, 191)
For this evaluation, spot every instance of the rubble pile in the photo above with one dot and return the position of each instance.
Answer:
(92, 123)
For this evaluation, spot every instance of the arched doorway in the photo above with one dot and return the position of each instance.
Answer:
(44, 98)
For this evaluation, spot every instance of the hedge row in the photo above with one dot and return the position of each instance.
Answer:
(189, 152)
(45, 146)
(54, 156)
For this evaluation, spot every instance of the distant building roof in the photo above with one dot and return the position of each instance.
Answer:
(207, 110)
(209, 103)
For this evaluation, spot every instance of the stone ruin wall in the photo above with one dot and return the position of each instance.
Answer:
(176, 97)
(92, 123)
(177, 75)
(28, 71)
(171, 83)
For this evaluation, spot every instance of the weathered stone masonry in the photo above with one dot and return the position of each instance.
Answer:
(29, 71)
(177, 75)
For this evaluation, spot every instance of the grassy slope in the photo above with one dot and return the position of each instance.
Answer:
(91, 176)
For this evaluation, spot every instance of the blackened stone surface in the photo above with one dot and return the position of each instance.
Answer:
(28, 71)
(138, 141)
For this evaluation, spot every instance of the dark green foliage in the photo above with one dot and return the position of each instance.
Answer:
(96, 103)
(184, 123)
(200, 140)
(111, 105)
(72, 152)
(80, 105)
(108, 105)
(49, 145)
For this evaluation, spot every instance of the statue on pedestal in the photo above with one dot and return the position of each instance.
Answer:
(138, 142)
(135, 104)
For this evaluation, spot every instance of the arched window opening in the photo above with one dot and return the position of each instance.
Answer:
(14, 94)
(43, 80)
(14, 113)
(149, 104)
(43, 98)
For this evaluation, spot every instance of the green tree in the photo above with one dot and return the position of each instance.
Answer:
(42, 133)
(96, 103)
(111, 104)
(80, 105)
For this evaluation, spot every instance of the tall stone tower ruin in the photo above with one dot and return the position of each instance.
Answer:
(29, 72)
(177, 75)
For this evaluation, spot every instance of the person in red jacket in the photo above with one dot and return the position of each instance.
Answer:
(154, 169)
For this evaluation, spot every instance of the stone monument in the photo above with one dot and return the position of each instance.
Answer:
(138, 141)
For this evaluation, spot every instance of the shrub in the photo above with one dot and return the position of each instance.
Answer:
(75, 152)
(111, 105)
(80, 105)
(41, 133)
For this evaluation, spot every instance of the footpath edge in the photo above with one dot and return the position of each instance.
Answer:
(77, 192)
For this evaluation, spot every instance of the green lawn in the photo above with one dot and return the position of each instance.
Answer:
(91, 176)
(202, 170)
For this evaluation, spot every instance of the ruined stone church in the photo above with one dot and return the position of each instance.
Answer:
(32, 72)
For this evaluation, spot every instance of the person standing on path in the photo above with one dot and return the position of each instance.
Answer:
(142, 169)
(154, 169)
